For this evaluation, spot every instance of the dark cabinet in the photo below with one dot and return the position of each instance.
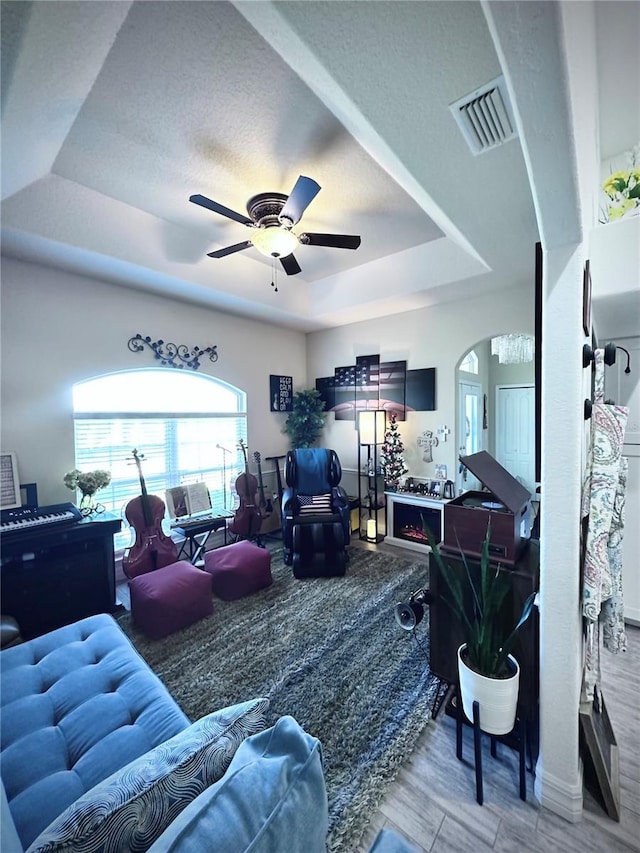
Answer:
(446, 636)
(52, 576)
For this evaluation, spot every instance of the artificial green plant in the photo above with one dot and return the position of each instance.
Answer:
(306, 420)
(488, 642)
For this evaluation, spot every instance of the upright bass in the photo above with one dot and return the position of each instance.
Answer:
(152, 549)
(247, 520)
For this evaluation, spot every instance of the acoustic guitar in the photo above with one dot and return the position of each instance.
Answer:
(270, 514)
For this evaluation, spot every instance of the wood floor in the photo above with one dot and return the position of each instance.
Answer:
(432, 802)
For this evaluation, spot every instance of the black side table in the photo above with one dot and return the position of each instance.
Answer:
(517, 737)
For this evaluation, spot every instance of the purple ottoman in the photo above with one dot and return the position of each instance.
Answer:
(238, 570)
(170, 598)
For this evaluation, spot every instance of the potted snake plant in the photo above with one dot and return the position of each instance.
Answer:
(488, 672)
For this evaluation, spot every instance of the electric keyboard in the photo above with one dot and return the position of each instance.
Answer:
(30, 517)
(189, 521)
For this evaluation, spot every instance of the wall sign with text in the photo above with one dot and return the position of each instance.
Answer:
(281, 393)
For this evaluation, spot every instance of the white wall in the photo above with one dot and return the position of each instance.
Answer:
(58, 328)
(431, 337)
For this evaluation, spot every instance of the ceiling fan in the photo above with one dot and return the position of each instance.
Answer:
(272, 217)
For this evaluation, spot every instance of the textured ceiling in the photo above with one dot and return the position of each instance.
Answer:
(114, 113)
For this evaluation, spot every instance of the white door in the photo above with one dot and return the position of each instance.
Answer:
(469, 430)
(515, 432)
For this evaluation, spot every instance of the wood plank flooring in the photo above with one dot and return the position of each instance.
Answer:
(432, 801)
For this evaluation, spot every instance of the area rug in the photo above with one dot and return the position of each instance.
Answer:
(329, 652)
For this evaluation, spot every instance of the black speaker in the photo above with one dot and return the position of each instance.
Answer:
(409, 614)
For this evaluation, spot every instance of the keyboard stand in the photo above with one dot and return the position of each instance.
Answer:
(196, 536)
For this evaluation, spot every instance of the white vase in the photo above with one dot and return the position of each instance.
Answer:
(497, 697)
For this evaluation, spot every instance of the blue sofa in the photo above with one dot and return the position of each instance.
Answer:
(96, 754)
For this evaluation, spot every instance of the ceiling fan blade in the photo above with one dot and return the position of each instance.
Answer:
(334, 241)
(303, 193)
(229, 250)
(291, 266)
(203, 201)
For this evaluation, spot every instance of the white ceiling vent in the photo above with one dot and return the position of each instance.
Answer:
(485, 117)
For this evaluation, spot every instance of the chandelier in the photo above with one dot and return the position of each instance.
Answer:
(512, 349)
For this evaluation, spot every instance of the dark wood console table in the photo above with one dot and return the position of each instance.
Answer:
(445, 635)
(53, 575)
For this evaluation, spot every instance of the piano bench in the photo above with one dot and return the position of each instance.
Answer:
(169, 599)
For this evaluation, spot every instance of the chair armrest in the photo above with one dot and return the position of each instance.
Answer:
(289, 502)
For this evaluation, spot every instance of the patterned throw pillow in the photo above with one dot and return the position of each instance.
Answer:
(131, 808)
(315, 504)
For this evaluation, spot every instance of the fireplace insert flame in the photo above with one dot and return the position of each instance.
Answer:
(409, 521)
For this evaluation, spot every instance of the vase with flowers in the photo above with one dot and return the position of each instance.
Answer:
(622, 190)
(88, 483)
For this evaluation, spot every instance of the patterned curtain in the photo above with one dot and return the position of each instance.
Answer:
(603, 497)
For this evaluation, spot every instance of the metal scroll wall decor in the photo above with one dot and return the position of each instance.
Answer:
(173, 355)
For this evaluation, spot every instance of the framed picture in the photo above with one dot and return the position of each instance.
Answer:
(586, 300)
(280, 393)
(421, 390)
(325, 385)
(599, 743)
(344, 404)
(10, 496)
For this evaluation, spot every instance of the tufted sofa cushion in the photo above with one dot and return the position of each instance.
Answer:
(130, 809)
(76, 705)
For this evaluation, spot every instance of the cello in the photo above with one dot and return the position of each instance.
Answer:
(152, 549)
(247, 520)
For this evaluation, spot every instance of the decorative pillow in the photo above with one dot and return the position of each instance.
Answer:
(315, 504)
(131, 808)
(272, 798)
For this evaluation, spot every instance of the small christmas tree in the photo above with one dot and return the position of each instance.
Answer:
(391, 458)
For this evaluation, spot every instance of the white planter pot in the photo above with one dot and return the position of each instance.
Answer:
(497, 697)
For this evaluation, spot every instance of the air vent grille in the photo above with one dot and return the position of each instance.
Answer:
(485, 117)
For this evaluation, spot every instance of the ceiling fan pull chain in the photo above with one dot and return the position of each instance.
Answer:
(274, 275)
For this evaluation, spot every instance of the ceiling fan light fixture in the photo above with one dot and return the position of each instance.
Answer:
(274, 241)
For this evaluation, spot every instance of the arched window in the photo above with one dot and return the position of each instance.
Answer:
(469, 363)
(180, 421)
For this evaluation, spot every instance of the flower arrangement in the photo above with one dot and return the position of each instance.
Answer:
(88, 482)
(622, 189)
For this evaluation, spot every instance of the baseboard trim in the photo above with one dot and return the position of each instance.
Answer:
(554, 794)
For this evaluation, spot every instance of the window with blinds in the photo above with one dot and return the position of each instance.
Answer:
(179, 421)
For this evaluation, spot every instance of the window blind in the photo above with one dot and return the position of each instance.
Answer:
(176, 451)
